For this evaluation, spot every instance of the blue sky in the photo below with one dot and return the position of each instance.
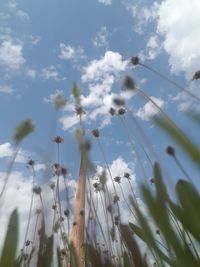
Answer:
(46, 45)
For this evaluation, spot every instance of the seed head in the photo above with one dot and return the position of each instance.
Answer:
(135, 60)
(58, 140)
(112, 111)
(115, 199)
(196, 76)
(31, 163)
(121, 111)
(127, 175)
(117, 179)
(37, 189)
(118, 101)
(128, 84)
(95, 133)
(52, 185)
(66, 212)
(79, 110)
(170, 151)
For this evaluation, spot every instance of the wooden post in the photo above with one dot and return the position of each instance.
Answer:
(77, 232)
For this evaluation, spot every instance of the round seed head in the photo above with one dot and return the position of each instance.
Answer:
(95, 133)
(196, 76)
(66, 212)
(37, 190)
(112, 111)
(117, 179)
(31, 163)
(118, 101)
(121, 111)
(128, 84)
(135, 60)
(170, 151)
(58, 140)
(127, 175)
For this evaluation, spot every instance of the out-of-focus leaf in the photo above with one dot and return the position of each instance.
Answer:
(138, 231)
(10, 243)
(23, 129)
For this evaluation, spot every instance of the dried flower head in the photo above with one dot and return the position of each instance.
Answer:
(58, 140)
(121, 111)
(66, 212)
(64, 171)
(128, 84)
(196, 76)
(170, 151)
(97, 186)
(112, 111)
(27, 243)
(31, 163)
(54, 207)
(152, 181)
(127, 175)
(52, 185)
(79, 110)
(37, 189)
(38, 211)
(135, 60)
(117, 179)
(95, 133)
(116, 220)
(118, 101)
(115, 199)
(82, 212)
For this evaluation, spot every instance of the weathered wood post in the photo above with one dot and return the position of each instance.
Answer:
(77, 232)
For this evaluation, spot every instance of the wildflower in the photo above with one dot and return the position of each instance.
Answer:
(95, 133)
(58, 140)
(127, 175)
(170, 151)
(112, 111)
(66, 212)
(115, 199)
(196, 76)
(121, 111)
(135, 60)
(37, 190)
(128, 84)
(117, 179)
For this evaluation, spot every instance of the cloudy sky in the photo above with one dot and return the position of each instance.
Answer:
(47, 45)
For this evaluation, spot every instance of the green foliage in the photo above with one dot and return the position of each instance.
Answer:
(11, 241)
(23, 129)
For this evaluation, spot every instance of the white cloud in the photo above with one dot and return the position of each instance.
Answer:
(51, 73)
(68, 52)
(31, 73)
(100, 74)
(101, 38)
(7, 151)
(110, 64)
(105, 2)
(142, 15)
(52, 97)
(178, 23)
(149, 110)
(6, 89)
(11, 55)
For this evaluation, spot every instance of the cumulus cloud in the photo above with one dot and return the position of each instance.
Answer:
(178, 23)
(68, 52)
(51, 73)
(11, 55)
(8, 151)
(149, 110)
(101, 37)
(105, 2)
(6, 89)
(100, 75)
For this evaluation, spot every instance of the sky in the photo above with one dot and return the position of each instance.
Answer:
(47, 45)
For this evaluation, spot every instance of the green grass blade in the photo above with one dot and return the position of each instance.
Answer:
(11, 240)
